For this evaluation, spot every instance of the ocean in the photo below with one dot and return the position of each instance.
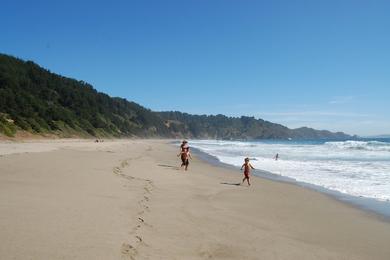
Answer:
(359, 168)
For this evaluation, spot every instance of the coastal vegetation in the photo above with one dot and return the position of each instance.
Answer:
(37, 101)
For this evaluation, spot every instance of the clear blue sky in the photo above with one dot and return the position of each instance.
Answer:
(323, 64)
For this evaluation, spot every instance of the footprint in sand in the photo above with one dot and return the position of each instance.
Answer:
(129, 250)
(124, 164)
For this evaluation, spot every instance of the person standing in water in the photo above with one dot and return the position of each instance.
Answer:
(276, 157)
(247, 167)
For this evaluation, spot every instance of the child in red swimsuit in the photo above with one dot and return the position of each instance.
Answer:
(247, 166)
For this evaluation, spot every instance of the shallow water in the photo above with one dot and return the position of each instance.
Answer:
(359, 168)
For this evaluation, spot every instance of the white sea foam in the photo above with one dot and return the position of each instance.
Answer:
(358, 168)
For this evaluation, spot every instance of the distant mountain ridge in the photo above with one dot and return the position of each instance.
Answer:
(242, 128)
(35, 100)
(377, 136)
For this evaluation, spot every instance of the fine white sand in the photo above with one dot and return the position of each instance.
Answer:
(128, 199)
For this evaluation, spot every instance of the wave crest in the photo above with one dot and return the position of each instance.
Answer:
(360, 145)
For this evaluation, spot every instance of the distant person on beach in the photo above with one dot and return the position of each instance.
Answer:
(276, 157)
(184, 146)
(184, 154)
(247, 166)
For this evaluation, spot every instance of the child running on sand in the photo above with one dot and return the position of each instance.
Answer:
(185, 156)
(247, 166)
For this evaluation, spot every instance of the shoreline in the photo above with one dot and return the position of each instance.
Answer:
(129, 199)
(380, 209)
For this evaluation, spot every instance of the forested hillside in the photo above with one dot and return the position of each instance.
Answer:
(34, 100)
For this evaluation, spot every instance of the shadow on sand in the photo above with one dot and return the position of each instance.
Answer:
(229, 183)
(169, 166)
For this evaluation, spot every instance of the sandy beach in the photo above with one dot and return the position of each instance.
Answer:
(128, 199)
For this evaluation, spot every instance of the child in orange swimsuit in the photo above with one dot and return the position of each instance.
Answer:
(247, 166)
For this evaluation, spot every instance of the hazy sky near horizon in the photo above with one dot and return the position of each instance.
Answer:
(323, 64)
